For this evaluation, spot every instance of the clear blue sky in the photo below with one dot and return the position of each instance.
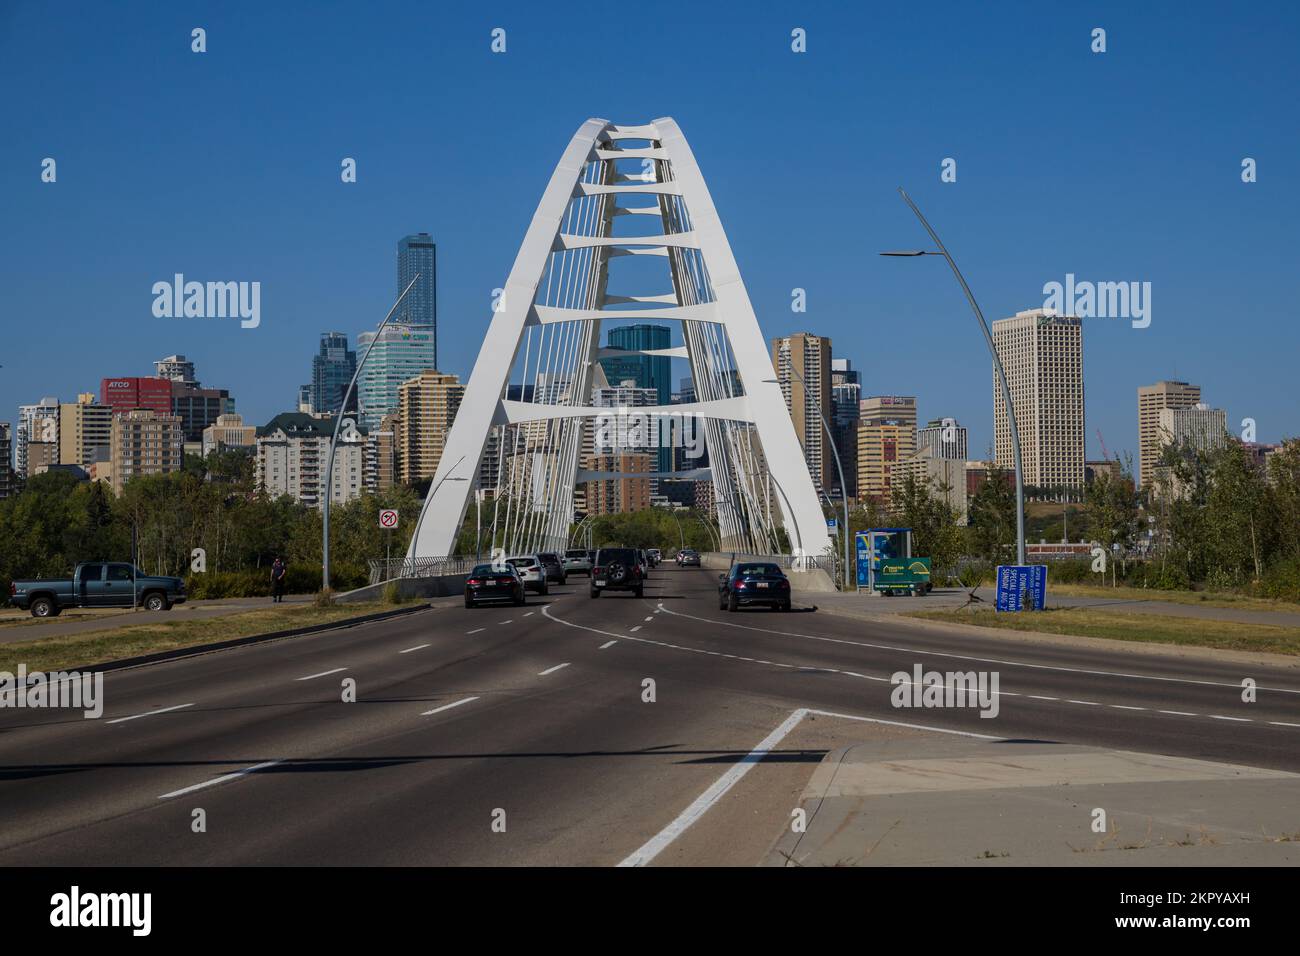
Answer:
(225, 166)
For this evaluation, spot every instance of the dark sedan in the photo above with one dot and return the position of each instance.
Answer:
(488, 583)
(753, 583)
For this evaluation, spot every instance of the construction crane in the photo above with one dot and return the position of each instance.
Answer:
(1104, 453)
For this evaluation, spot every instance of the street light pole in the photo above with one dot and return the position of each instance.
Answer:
(997, 364)
(844, 491)
(329, 466)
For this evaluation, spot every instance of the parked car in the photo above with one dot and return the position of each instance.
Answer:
(489, 583)
(617, 569)
(531, 571)
(688, 558)
(553, 565)
(578, 561)
(97, 584)
(753, 582)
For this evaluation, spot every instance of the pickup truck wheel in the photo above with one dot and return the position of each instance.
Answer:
(43, 607)
(156, 602)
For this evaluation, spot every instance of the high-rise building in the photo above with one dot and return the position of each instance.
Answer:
(176, 368)
(198, 407)
(292, 452)
(129, 393)
(1042, 354)
(942, 438)
(381, 456)
(1151, 400)
(7, 482)
(332, 369)
(846, 397)
(396, 355)
(1200, 427)
(944, 477)
(144, 443)
(427, 405)
(85, 432)
(886, 439)
(808, 399)
(38, 424)
(419, 254)
(228, 431)
(647, 371)
(620, 486)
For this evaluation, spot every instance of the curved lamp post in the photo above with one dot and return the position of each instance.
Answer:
(329, 466)
(997, 363)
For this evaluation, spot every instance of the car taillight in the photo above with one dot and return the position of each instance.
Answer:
(505, 581)
(740, 585)
(783, 583)
(598, 570)
(13, 589)
(474, 581)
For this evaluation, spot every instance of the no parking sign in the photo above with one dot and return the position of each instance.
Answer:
(388, 519)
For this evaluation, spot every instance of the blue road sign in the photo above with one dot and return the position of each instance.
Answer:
(1021, 587)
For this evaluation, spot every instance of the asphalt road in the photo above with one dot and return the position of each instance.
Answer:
(506, 736)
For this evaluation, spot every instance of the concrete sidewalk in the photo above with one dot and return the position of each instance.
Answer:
(907, 796)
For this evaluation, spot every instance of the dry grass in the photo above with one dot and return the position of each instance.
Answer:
(94, 647)
(1119, 626)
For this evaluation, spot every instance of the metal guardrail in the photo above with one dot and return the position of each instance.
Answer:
(384, 570)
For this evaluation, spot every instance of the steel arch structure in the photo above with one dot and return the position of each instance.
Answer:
(547, 323)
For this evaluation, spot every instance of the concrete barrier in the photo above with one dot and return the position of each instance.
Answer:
(444, 585)
(815, 579)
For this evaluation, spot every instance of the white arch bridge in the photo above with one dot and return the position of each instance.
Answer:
(634, 196)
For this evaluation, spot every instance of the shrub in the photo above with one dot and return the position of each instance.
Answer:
(1281, 581)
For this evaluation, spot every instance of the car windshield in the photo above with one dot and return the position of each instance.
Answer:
(616, 554)
(575, 554)
(548, 557)
(485, 570)
(758, 570)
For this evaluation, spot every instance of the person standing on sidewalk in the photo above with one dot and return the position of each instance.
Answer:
(277, 581)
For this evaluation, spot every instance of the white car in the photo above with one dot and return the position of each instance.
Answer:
(531, 570)
(577, 561)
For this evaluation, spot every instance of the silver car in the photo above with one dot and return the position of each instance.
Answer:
(577, 561)
(531, 570)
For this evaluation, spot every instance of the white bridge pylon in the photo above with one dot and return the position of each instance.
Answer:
(619, 191)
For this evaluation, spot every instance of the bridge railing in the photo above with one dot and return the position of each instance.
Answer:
(387, 570)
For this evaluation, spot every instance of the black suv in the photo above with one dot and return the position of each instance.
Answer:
(753, 583)
(617, 569)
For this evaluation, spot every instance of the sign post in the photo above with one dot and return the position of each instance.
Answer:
(388, 521)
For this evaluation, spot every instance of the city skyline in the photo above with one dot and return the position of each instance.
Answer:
(993, 216)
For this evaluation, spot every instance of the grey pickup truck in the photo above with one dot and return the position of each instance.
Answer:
(98, 584)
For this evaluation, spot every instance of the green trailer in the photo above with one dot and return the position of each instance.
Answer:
(903, 576)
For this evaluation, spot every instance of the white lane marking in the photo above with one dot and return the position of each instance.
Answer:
(635, 629)
(321, 674)
(968, 657)
(417, 647)
(1125, 707)
(607, 644)
(476, 630)
(1282, 723)
(456, 703)
(1040, 697)
(161, 710)
(222, 779)
(546, 612)
(649, 619)
(510, 621)
(1244, 720)
(529, 613)
(701, 805)
(552, 670)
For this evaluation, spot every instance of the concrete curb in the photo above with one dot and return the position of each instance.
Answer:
(199, 649)
(1077, 640)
